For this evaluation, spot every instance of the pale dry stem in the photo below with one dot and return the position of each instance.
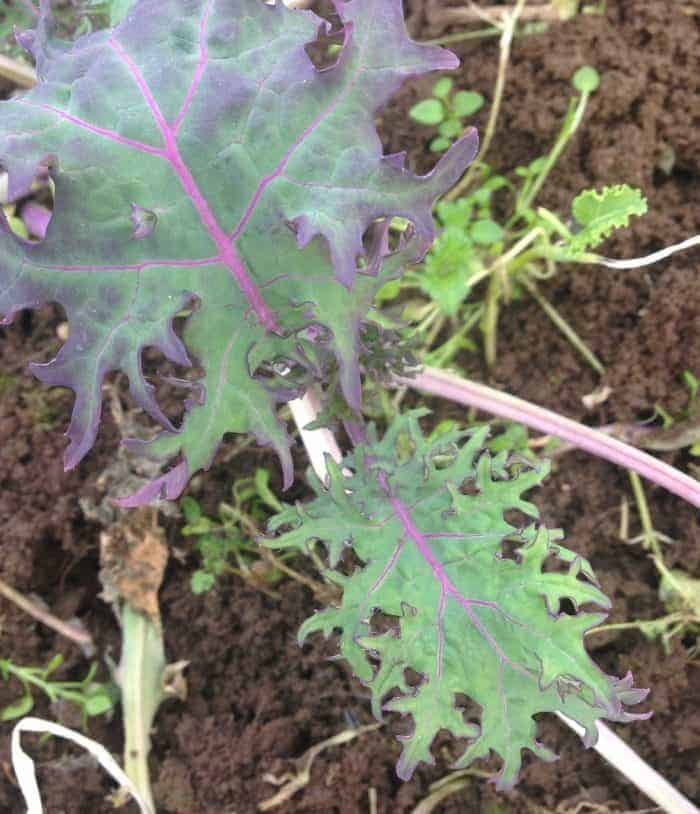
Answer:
(76, 634)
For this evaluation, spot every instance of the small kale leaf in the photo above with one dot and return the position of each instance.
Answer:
(427, 522)
(202, 161)
(598, 214)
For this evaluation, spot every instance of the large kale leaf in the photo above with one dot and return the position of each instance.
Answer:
(458, 584)
(202, 160)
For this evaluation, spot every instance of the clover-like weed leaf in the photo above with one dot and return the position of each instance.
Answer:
(477, 606)
(203, 160)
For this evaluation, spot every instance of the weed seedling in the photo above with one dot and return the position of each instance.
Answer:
(448, 111)
(234, 536)
(509, 254)
(90, 697)
(679, 592)
(679, 430)
(216, 542)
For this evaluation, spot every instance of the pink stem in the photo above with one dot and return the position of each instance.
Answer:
(449, 386)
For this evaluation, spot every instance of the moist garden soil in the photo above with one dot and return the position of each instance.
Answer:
(256, 701)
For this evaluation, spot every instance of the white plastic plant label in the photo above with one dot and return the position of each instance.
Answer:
(25, 770)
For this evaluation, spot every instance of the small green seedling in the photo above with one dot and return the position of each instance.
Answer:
(678, 590)
(231, 537)
(92, 698)
(693, 386)
(586, 79)
(447, 111)
(216, 543)
(680, 593)
(668, 420)
(678, 430)
(512, 252)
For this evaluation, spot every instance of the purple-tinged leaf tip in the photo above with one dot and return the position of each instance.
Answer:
(168, 487)
(26, 39)
(36, 218)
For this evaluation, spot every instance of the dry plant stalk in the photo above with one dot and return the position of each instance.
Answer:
(440, 17)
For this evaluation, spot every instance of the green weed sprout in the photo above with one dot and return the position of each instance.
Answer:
(92, 698)
(511, 252)
(678, 590)
(226, 544)
(447, 111)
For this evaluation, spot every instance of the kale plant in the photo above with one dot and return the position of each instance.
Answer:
(206, 160)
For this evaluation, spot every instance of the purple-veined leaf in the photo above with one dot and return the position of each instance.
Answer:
(475, 611)
(202, 160)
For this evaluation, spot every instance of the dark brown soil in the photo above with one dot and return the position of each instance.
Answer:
(256, 702)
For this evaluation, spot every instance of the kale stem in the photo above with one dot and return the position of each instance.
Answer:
(141, 672)
(319, 443)
(462, 391)
(18, 73)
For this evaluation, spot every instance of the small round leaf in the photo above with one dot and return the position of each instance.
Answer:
(201, 582)
(586, 79)
(18, 709)
(442, 88)
(99, 702)
(429, 112)
(486, 232)
(467, 102)
(439, 145)
(452, 128)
